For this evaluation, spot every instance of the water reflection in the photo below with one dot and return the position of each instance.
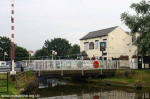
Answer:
(55, 89)
(45, 83)
(115, 94)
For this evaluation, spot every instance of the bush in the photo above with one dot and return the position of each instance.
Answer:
(134, 56)
(124, 57)
(120, 73)
(124, 73)
(129, 74)
(31, 87)
(142, 76)
(26, 82)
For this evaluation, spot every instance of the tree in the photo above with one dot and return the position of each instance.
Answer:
(74, 51)
(61, 46)
(84, 55)
(41, 53)
(140, 22)
(21, 53)
(5, 46)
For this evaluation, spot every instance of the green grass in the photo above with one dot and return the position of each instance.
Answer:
(12, 89)
(123, 80)
(3, 83)
(24, 78)
(11, 85)
(3, 76)
(141, 77)
(14, 86)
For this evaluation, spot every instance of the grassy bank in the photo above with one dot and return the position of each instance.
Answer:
(11, 85)
(19, 83)
(127, 78)
(124, 80)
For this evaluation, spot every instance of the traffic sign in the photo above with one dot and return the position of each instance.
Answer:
(96, 64)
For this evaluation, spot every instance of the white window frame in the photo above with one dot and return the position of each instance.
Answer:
(96, 44)
(86, 46)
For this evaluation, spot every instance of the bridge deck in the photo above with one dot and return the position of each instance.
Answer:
(72, 73)
(74, 67)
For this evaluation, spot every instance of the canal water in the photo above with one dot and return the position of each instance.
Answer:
(80, 92)
(114, 94)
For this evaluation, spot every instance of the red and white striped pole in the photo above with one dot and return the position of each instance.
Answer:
(13, 72)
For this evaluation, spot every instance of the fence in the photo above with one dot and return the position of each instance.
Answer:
(4, 69)
(3, 82)
(45, 65)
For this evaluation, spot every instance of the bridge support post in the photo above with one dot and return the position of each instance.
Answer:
(39, 73)
(62, 72)
(101, 72)
(82, 72)
(118, 64)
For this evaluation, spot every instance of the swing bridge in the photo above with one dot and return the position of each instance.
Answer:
(76, 67)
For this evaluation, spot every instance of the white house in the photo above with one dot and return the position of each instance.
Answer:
(114, 42)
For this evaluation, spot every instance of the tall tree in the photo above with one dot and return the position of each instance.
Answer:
(75, 49)
(41, 53)
(140, 22)
(21, 53)
(5, 46)
(61, 46)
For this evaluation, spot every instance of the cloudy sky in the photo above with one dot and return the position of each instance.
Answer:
(39, 20)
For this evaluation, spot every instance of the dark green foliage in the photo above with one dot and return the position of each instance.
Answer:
(5, 46)
(61, 46)
(74, 51)
(21, 53)
(140, 22)
(84, 54)
(41, 53)
(31, 87)
(26, 82)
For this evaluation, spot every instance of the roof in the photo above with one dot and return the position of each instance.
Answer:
(98, 33)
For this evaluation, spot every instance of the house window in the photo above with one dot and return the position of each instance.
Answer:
(86, 46)
(96, 44)
(102, 46)
(91, 45)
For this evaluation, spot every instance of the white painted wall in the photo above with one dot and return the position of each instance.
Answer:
(118, 43)
(93, 52)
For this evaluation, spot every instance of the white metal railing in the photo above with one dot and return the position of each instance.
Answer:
(49, 65)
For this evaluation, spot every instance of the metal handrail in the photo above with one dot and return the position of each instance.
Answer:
(44, 65)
